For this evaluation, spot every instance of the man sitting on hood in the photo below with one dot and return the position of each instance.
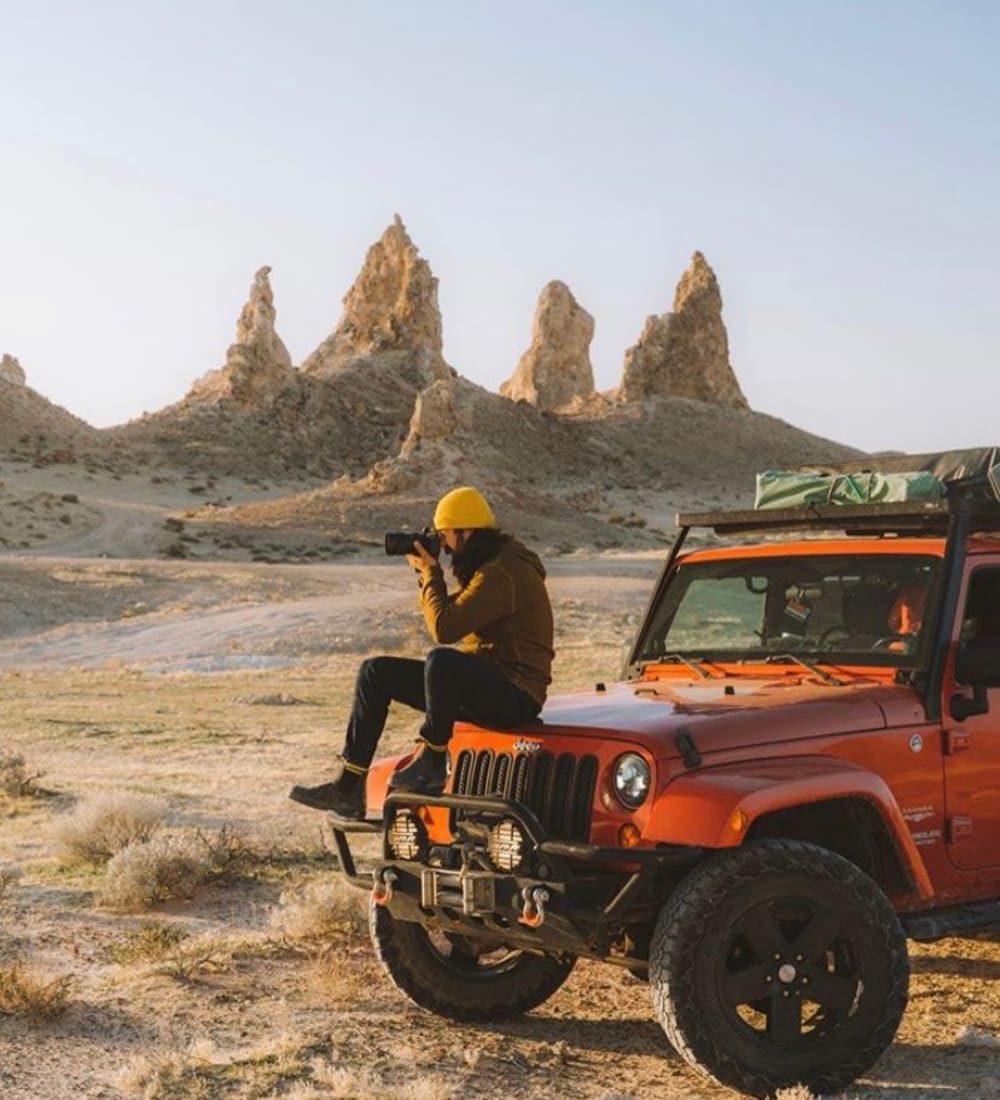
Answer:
(502, 617)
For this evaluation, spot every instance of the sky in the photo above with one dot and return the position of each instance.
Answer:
(837, 161)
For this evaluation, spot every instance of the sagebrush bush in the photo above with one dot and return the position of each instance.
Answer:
(322, 910)
(146, 873)
(15, 779)
(150, 942)
(101, 827)
(171, 950)
(24, 993)
(228, 851)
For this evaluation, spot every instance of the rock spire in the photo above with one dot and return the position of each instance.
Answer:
(685, 353)
(390, 312)
(11, 371)
(258, 363)
(556, 367)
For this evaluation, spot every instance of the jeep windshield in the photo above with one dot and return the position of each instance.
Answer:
(845, 609)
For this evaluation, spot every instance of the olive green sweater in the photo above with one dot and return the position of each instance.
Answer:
(502, 614)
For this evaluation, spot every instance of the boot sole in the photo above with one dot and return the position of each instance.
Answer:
(431, 792)
(318, 804)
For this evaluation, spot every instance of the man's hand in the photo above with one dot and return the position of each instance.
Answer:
(420, 558)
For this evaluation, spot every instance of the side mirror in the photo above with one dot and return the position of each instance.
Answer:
(978, 664)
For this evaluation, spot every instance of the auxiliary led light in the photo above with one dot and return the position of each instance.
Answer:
(406, 836)
(506, 845)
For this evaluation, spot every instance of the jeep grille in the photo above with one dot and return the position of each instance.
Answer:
(558, 790)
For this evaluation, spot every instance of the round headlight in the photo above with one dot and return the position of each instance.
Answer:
(405, 836)
(506, 845)
(631, 780)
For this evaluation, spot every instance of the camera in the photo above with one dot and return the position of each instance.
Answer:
(399, 543)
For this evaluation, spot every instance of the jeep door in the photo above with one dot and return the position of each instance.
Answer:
(972, 746)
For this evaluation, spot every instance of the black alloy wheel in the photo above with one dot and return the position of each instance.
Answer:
(777, 964)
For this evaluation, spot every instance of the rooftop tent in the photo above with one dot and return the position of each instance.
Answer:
(883, 479)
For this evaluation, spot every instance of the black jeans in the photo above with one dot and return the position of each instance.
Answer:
(447, 685)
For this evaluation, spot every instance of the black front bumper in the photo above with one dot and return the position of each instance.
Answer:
(577, 901)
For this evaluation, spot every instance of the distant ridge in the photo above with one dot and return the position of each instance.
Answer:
(377, 415)
(35, 429)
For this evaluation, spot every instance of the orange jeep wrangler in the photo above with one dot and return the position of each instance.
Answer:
(799, 770)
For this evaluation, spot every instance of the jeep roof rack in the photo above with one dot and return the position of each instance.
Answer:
(909, 517)
(969, 482)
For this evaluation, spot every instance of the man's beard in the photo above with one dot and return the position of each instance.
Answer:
(473, 550)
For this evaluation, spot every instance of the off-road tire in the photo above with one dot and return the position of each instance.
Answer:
(466, 992)
(714, 973)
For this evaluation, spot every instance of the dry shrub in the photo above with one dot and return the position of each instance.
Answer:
(202, 1071)
(15, 780)
(171, 951)
(194, 957)
(150, 942)
(24, 993)
(229, 853)
(324, 910)
(347, 1083)
(147, 873)
(169, 1076)
(431, 1087)
(794, 1092)
(102, 827)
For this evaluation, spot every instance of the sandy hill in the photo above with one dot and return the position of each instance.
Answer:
(34, 429)
(600, 477)
(303, 428)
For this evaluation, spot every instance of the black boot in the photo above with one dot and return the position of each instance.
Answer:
(344, 795)
(426, 773)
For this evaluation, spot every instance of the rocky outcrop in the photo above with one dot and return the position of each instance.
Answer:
(685, 353)
(434, 415)
(258, 363)
(11, 371)
(556, 368)
(390, 313)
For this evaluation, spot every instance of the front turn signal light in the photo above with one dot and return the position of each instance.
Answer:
(739, 821)
(629, 835)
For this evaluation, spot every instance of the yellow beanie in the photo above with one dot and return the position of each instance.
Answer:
(461, 508)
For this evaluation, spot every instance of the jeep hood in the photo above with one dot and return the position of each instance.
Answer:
(725, 714)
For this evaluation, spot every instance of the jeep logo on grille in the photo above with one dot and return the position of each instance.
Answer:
(527, 746)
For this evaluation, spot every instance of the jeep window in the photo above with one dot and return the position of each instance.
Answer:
(981, 618)
(863, 607)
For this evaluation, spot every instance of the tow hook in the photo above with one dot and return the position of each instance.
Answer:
(383, 877)
(533, 911)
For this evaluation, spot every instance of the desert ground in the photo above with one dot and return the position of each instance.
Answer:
(144, 661)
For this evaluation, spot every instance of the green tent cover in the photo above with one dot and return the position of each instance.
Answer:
(882, 479)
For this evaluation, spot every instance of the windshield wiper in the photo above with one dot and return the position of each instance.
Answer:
(826, 677)
(680, 659)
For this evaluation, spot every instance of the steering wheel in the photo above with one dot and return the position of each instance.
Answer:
(832, 632)
(896, 642)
